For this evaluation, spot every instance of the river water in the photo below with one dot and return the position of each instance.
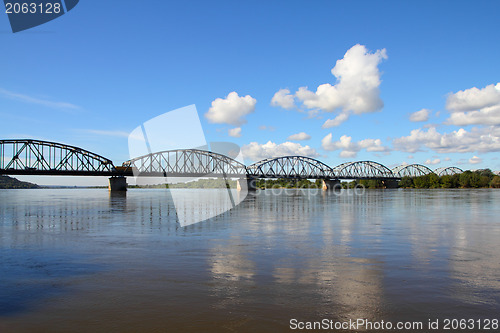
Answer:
(82, 260)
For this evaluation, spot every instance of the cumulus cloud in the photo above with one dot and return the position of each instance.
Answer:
(433, 162)
(284, 99)
(475, 106)
(349, 148)
(337, 121)
(231, 110)
(422, 115)
(256, 152)
(357, 86)
(487, 116)
(235, 132)
(474, 98)
(299, 136)
(475, 160)
(460, 141)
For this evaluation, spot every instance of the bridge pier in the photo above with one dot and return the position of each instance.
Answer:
(248, 183)
(331, 185)
(117, 183)
(390, 183)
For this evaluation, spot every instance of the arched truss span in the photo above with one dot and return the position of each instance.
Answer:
(363, 170)
(291, 167)
(411, 170)
(448, 171)
(26, 156)
(185, 163)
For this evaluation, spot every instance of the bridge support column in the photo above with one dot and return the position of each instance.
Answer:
(331, 185)
(390, 183)
(248, 183)
(117, 183)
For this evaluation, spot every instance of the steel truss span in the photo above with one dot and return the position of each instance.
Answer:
(411, 170)
(35, 157)
(363, 170)
(185, 163)
(291, 167)
(449, 171)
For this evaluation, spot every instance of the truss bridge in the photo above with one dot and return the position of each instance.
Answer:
(36, 157)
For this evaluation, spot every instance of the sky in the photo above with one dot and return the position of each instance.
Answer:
(393, 82)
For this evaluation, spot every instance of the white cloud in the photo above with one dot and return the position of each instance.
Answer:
(475, 160)
(422, 115)
(432, 162)
(256, 152)
(267, 128)
(231, 110)
(475, 106)
(474, 98)
(460, 141)
(314, 114)
(447, 159)
(299, 136)
(356, 89)
(235, 132)
(34, 100)
(487, 116)
(410, 157)
(349, 148)
(284, 99)
(338, 120)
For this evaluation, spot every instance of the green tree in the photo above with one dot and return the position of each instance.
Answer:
(486, 173)
(406, 182)
(421, 182)
(495, 182)
(446, 181)
(433, 180)
(465, 179)
(484, 181)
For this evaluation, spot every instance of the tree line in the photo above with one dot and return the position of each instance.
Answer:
(483, 178)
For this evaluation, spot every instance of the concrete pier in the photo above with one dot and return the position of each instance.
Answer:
(117, 184)
(331, 185)
(246, 183)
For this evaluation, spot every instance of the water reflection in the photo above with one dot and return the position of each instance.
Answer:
(288, 227)
(384, 255)
(473, 260)
(118, 201)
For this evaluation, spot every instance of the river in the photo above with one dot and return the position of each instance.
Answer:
(85, 260)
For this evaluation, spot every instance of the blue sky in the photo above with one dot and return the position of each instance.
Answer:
(91, 76)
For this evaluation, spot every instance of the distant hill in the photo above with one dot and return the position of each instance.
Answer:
(9, 182)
